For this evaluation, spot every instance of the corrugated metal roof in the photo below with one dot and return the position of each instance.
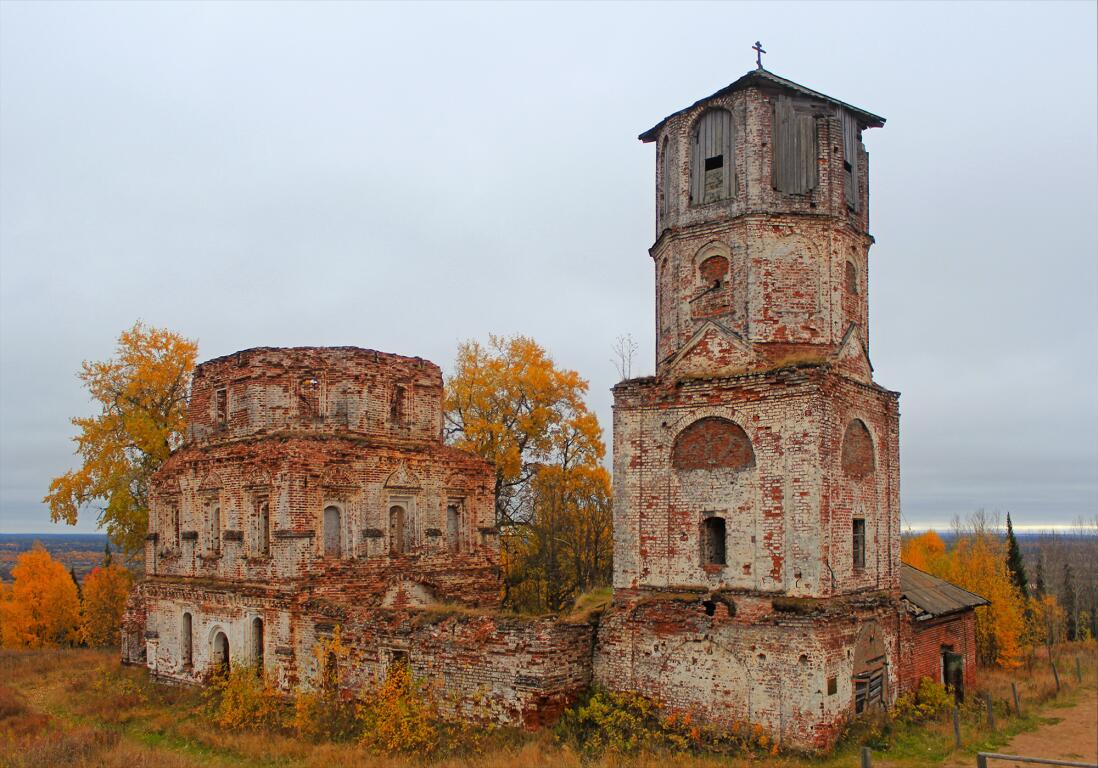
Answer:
(761, 76)
(933, 596)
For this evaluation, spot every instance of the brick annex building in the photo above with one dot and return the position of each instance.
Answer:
(757, 575)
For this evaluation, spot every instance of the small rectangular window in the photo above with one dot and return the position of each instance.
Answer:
(713, 541)
(859, 542)
(832, 686)
(396, 407)
(453, 527)
(713, 163)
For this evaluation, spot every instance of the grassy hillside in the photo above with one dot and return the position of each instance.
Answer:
(82, 708)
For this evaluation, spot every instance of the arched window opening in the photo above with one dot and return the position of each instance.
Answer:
(396, 529)
(713, 443)
(175, 525)
(711, 172)
(858, 458)
(187, 641)
(257, 644)
(851, 279)
(332, 531)
(220, 654)
(713, 541)
(713, 272)
(453, 527)
(263, 530)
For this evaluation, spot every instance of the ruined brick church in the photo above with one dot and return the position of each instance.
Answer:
(757, 575)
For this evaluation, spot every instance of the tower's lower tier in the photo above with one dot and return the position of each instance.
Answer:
(797, 667)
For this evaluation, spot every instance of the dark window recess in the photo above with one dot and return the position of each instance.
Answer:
(713, 541)
(396, 406)
(851, 279)
(713, 163)
(221, 398)
(858, 530)
(832, 686)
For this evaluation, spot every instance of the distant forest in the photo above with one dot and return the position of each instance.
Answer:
(79, 552)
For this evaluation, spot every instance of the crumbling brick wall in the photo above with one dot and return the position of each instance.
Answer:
(924, 641)
(276, 524)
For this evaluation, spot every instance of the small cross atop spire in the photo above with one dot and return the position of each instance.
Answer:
(758, 49)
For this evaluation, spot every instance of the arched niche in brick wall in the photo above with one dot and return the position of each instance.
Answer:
(858, 457)
(713, 443)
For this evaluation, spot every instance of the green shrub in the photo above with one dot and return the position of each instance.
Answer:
(931, 701)
(627, 723)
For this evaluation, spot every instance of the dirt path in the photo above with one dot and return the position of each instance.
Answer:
(1073, 738)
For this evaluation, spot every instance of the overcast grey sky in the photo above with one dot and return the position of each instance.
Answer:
(404, 177)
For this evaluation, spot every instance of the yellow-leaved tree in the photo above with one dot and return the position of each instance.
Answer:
(924, 551)
(105, 592)
(977, 561)
(142, 397)
(41, 609)
(508, 402)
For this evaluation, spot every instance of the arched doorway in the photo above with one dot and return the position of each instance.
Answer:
(220, 655)
(331, 532)
(257, 644)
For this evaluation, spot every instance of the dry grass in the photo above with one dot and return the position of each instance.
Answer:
(81, 708)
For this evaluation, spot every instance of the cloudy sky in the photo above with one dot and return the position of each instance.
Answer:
(406, 177)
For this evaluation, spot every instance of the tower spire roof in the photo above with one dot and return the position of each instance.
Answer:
(766, 78)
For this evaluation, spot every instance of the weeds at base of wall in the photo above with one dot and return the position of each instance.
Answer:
(629, 723)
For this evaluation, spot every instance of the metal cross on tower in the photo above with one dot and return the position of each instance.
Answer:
(758, 49)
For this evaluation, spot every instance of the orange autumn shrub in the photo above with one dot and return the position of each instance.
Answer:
(42, 608)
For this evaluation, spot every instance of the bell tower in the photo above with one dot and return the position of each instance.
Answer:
(756, 475)
(762, 241)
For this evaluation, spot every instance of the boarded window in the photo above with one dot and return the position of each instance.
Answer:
(713, 541)
(187, 641)
(850, 158)
(713, 443)
(858, 533)
(221, 406)
(396, 530)
(794, 147)
(851, 279)
(712, 175)
(332, 532)
(868, 690)
(857, 453)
